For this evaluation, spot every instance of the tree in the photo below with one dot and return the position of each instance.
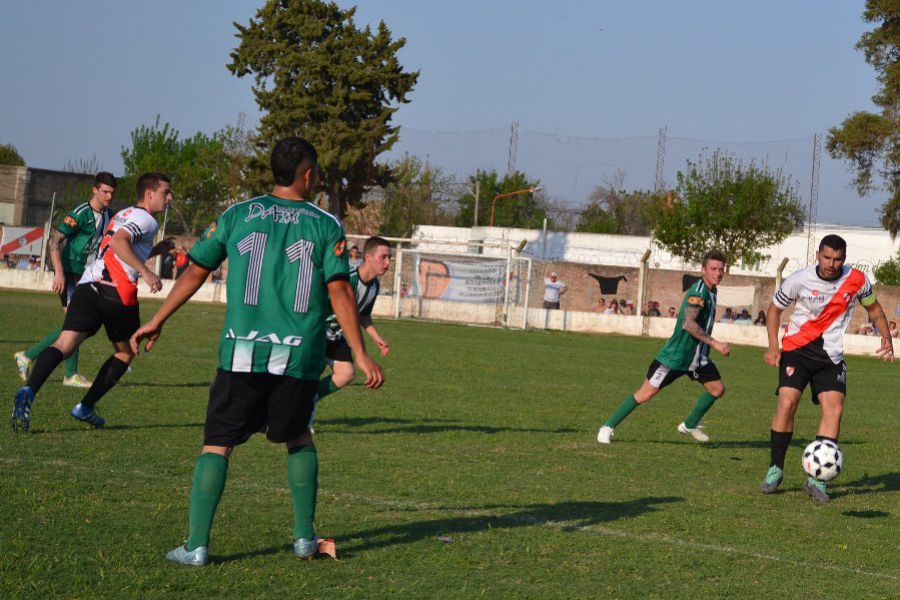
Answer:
(198, 167)
(869, 141)
(319, 76)
(415, 197)
(10, 156)
(526, 210)
(888, 272)
(722, 203)
(611, 209)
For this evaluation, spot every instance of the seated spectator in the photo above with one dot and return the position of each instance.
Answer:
(728, 317)
(892, 327)
(613, 308)
(23, 264)
(672, 312)
(654, 309)
(866, 329)
(760, 318)
(600, 306)
(629, 308)
(745, 318)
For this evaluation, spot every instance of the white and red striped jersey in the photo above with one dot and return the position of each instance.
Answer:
(109, 268)
(823, 311)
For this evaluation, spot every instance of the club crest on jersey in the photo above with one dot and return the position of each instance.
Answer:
(269, 338)
(789, 371)
(847, 296)
(70, 221)
(339, 247)
(695, 300)
(210, 230)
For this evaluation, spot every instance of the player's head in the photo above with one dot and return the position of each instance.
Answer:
(154, 192)
(831, 256)
(712, 269)
(294, 164)
(104, 188)
(377, 255)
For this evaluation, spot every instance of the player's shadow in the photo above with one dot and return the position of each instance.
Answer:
(151, 384)
(877, 484)
(365, 421)
(425, 428)
(567, 516)
(764, 444)
(88, 429)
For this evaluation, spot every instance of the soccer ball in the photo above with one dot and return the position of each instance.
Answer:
(823, 460)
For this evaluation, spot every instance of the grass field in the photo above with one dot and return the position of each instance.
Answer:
(480, 436)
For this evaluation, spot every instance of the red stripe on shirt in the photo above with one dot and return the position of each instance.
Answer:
(837, 306)
(124, 286)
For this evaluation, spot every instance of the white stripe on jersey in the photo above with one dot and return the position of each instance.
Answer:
(131, 219)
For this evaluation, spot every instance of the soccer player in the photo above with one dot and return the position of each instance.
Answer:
(364, 281)
(685, 353)
(73, 245)
(285, 257)
(106, 295)
(812, 350)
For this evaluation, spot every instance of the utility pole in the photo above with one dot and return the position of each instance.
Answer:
(477, 198)
(660, 183)
(812, 211)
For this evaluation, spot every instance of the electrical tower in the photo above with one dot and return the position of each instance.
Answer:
(660, 183)
(813, 209)
(513, 147)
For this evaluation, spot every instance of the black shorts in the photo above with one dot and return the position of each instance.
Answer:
(551, 305)
(71, 283)
(659, 375)
(796, 371)
(338, 350)
(241, 404)
(95, 304)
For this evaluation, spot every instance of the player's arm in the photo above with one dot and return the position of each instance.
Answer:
(121, 245)
(365, 321)
(773, 324)
(185, 287)
(880, 322)
(343, 302)
(689, 323)
(56, 242)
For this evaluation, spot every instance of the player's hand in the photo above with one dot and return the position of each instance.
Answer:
(722, 347)
(772, 357)
(149, 332)
(153, 281)
(59, 283)
(383, 346)
(886, 351)
(374, 374)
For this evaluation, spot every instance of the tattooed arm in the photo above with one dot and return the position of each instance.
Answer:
(57, 240)
(691, 325)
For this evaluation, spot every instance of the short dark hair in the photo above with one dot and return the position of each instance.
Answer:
(107, 178)
(290, 155)
(150, 181)
(373, 243)
(714, 255)
(835, 242)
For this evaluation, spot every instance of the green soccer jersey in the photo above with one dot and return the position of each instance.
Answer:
(366, 293)
(83, 229)
(281, 255)
(682, 351)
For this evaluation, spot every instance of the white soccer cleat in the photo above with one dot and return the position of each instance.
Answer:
(695, 433)
(604, 436)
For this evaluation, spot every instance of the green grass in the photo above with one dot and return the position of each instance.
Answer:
(481, 435)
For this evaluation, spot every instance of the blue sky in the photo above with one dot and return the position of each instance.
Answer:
(601, 77)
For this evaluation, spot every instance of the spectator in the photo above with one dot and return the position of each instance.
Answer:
(23, 264)
(866, 329)
(355, 259)
(760, 318)
(728, 317)
(672, 312)
(613, 308)
(553, 289)
(629, 308)
(653, 309)
(745, 318)
(601, 306)
(892, 328)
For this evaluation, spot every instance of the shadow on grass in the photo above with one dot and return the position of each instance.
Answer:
(192, 384)
(574, 514)
(866, 514)
(428, 429)
(364, 421)
(754, 444)
(878, 484)
(87, 428)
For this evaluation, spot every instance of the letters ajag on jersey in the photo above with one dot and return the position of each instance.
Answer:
(269, 338)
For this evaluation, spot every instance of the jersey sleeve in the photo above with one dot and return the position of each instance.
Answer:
(211, 249)
(866, 294)
(335, 264)
(697, 298)
(787, 293)
(69, 225)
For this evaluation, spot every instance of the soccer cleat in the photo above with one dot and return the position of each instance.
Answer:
(21, 414)
(198, 557)
(306, 548)
(816, 489)
(604, 436)
(773, 479)
(696, 432)
(87, 415)
(77, 380)
(23, 365)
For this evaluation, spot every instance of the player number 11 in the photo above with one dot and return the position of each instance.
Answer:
(299, 252)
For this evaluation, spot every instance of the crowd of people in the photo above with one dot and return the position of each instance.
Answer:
(21, 262)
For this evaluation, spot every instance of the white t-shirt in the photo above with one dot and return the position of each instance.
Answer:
(551, 292)
(108, 268)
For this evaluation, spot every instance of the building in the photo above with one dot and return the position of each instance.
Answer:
(26, 193)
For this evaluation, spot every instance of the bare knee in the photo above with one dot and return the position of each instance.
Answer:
(645, 393)
(716, 388)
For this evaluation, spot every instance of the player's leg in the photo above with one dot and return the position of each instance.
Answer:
(107, 377)
(340, 357)
(658, 377)
(708, 375)
(782, 431)
(829, 388)
(25, 359)
(73, 378)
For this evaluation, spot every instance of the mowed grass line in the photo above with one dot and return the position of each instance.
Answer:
(480, 436)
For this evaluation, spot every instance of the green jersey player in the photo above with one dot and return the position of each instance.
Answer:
(73, 244)
(685, 353)
(376, 260)
(286, 258)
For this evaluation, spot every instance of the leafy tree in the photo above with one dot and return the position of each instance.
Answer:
(527, 210)
(870, 141)
(10, 156)
(415, 197)
(722, 203)
(320, 76)
(888, 272)
(198, 167)
(611, 209)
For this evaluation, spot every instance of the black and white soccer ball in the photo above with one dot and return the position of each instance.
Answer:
(823, 460)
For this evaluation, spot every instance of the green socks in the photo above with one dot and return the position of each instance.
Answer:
(209, 482)
(704, 403)
(628, 405)
(302, 476)
(326, 386)
(72, 364)
(33, 352)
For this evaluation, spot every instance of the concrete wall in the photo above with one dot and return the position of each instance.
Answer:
(12, 194)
